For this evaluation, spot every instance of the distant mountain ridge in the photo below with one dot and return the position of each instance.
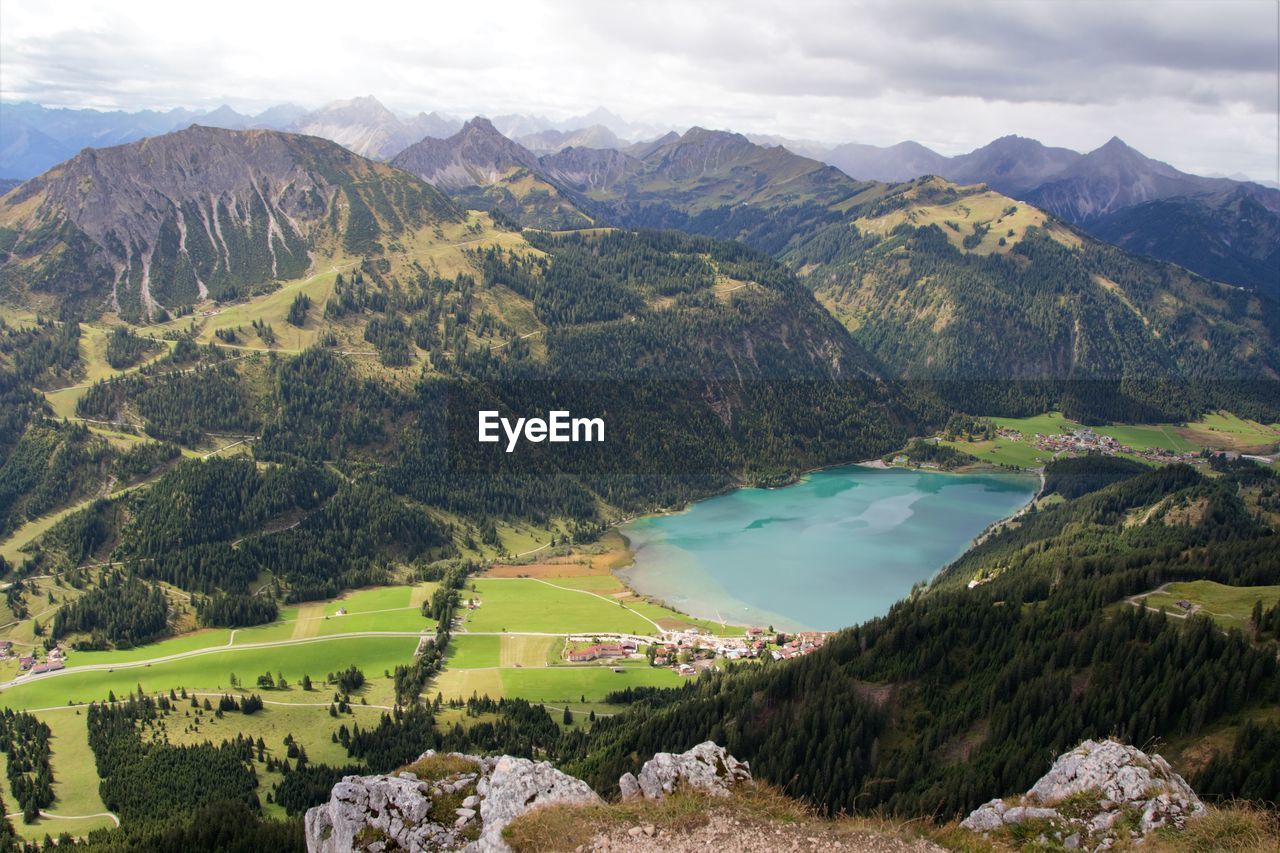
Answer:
(368, 128)
(1225, 227)
(481, 168)
(1113, 193)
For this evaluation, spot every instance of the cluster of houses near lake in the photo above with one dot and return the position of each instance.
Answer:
(1080, 441)
(1085, 440)
(688, 651)
(30, 664)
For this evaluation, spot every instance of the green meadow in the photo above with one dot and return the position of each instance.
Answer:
(1229, 606)
(1215, 431)
(524, 604)
(212, 672)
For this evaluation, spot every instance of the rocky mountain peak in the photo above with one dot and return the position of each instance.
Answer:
(477, 155)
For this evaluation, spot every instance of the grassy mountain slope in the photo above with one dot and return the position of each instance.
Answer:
(953, 282)
(164, 222)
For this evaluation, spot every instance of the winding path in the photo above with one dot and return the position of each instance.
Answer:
(53, 816)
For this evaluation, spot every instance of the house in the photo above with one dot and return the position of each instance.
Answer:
(659, 660)
(26, 662)
(755, 631)
(685, 669)
(599, 650)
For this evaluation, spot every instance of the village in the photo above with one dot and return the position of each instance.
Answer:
(1085, 440)
(691, 650)
(30, 664)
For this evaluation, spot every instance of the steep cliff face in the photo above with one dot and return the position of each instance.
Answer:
(165, 221)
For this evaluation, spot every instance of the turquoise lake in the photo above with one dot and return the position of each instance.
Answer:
(833, 550)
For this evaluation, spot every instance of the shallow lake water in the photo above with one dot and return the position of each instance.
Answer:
(833, 550)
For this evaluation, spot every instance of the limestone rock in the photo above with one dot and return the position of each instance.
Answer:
(707, 768)
(1090, 789)
(390, 806)
(376, 813)
(517, 785)
(1122, 773)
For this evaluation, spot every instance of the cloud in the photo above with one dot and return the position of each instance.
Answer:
(1193, 83)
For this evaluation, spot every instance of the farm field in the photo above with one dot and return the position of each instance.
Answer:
(516, 651)
(474, 652)
(534, 606)
(212, 671)
(1216, 431)
(468, 651)
(570, 683)
(1229, 606)
(1226, 430)
(557, 685)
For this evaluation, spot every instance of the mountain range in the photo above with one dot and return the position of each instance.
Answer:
(933, 279)
(1226, 228)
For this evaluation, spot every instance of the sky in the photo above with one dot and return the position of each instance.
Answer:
(1190, 82)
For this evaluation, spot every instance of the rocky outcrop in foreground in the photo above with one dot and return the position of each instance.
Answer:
(1095, 795)
(463, 802)
(462, 810)
(707, 768)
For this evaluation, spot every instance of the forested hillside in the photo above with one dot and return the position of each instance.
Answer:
(709, 363)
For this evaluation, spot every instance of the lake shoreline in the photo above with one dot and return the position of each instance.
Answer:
(885, 510)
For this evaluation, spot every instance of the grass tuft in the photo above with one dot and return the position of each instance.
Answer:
(433, 768)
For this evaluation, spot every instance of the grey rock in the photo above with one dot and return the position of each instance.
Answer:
(1118, 775)
(1018, 814)
(986, 817)
(359, 801)
(707, 768)
(517, 785)
(629, 787)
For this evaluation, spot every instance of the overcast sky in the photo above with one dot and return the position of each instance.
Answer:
(1192, 83)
